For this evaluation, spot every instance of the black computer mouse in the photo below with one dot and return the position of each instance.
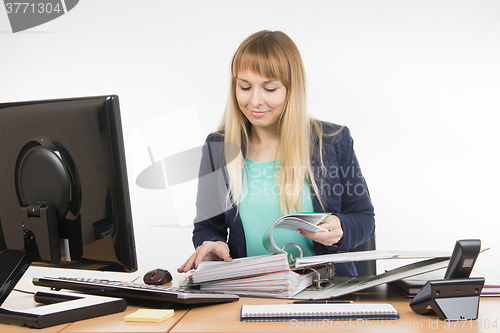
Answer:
(157, 276)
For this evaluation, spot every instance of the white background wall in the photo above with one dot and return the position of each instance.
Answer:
(417, 82)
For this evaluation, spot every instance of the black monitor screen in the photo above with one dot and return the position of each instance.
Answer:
(64, 195)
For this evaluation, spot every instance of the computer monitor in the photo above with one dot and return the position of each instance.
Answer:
(64, 196)
(64, 200)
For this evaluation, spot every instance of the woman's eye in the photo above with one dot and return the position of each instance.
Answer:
(271, 90)
(245, 88)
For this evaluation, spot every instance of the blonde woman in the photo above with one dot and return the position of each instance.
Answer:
(288, 162)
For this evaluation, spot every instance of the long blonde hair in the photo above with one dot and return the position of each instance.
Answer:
(272, 54)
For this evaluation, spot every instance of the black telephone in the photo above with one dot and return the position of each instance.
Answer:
(456, 297)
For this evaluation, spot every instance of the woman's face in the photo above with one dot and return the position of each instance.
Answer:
(261, 100)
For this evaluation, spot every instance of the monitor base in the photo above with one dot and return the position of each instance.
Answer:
(60, 307)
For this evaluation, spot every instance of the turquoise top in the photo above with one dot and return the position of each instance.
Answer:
(259, 208)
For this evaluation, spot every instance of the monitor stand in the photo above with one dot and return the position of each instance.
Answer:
(60, 307)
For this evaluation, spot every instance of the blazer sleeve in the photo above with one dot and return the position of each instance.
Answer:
(209, 224)
(356, 211)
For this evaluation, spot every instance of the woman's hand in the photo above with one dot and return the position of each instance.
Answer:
(334, 235)
(208, 251)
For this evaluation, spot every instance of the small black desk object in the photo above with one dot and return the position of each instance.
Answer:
(456, 297)
(64, 307)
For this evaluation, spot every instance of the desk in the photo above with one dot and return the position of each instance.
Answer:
(116, 323)
(113, 323)
(225, 318)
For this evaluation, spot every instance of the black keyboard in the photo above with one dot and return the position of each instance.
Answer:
(135, 291)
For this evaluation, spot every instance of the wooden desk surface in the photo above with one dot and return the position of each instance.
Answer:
(115, 323)
(225, 317)
(110, 323)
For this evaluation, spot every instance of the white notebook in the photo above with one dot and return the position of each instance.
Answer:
(340, 311)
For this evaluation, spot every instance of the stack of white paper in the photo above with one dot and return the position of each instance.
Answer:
(209, 271)
(282, 284)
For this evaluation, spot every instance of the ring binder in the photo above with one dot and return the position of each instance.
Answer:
(294, 222)
(291, 261)
(324, 278)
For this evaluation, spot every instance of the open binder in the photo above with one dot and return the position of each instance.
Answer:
(331, 286)
(260, 276)
(270, 275)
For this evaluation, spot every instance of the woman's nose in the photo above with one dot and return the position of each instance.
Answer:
(257, 98)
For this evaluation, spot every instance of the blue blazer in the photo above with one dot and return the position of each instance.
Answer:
(341, 184)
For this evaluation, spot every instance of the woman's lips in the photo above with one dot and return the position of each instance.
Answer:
(258, 113)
